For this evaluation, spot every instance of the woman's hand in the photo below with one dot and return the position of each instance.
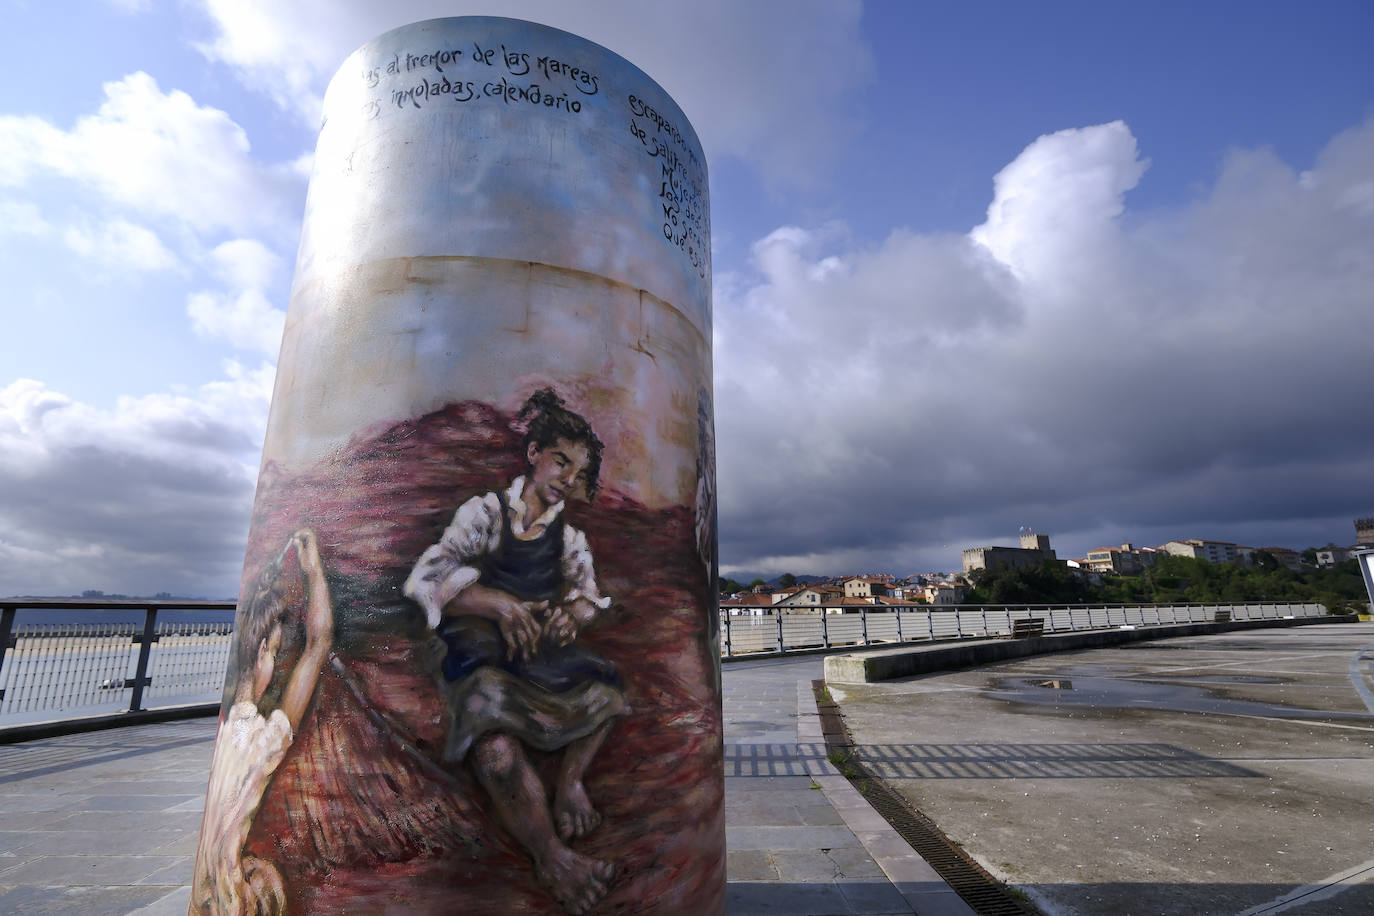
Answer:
(567, 619)
(561, 627)
(517, 621)
(308, 552)
(319, 614)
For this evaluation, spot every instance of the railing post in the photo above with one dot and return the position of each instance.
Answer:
(899, 624)
(983, 613)
(725, 626)
(863, 625)
(144, 650)
(6, 639)
(930, 624)
(781, 647)
(959, 622)
(825, 627)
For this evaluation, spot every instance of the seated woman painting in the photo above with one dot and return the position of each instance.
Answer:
(508, 587)
(257, 731)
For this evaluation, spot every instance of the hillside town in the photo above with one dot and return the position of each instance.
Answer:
(846, 594)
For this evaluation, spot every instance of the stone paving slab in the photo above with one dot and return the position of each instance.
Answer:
(111, 900)
(175, 903)
(855, 863)
(95, 870)
(107, 822)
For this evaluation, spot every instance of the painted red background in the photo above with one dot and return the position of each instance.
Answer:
(360, 817)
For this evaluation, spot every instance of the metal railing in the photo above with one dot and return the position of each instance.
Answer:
(117, 657)
(54, 669)
(782, 630)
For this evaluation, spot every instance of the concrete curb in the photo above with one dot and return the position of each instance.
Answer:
(925, 659)
(918, 883)
(15, 734)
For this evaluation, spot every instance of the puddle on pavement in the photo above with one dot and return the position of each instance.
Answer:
(1118, 693)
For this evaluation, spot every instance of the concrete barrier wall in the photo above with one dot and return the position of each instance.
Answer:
(864, 668)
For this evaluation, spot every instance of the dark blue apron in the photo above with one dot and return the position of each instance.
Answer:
(531, 571)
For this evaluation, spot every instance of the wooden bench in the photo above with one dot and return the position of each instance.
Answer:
(1030, 626)
(1222, 617)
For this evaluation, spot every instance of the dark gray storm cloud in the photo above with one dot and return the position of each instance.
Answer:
(1098, 374)
(151, 496)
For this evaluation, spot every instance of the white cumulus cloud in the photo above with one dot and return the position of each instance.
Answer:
(247, 320)
(20, 217)
(242, 314)
(246, 263)
(148, 492)
(120, 243)
(1066, 364)
(158, 154)
(152, 495)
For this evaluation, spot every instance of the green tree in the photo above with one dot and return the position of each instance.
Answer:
(729, 586)
(787, 580)
(1175, 580)
(1046, 583)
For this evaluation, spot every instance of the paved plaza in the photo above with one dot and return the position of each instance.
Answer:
(103, 823)
(1222, 774)
(801, 838)
(1227, 773)
(107, 822)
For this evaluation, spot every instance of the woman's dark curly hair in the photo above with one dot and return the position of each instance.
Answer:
(546, 420)
(267, 607)
(264, 610)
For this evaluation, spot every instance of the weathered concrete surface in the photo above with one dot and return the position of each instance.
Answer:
(801, 838)
(1229, 773)
(868, 667)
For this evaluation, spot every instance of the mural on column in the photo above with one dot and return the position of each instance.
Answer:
(476, 664)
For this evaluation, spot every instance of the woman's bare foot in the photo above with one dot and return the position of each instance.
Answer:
(576, 881)
(573, 813)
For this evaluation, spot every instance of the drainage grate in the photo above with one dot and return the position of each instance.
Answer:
(978, 889)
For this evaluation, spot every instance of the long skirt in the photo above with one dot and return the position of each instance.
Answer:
(558, 695)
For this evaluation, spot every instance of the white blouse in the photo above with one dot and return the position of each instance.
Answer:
(448, 567)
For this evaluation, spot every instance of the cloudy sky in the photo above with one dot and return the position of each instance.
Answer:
(1101, 269)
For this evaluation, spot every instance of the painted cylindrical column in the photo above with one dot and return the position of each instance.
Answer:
(476, 666)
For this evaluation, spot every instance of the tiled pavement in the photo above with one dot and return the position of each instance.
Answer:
(103, 823)
(107, 822)
(801, 839)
